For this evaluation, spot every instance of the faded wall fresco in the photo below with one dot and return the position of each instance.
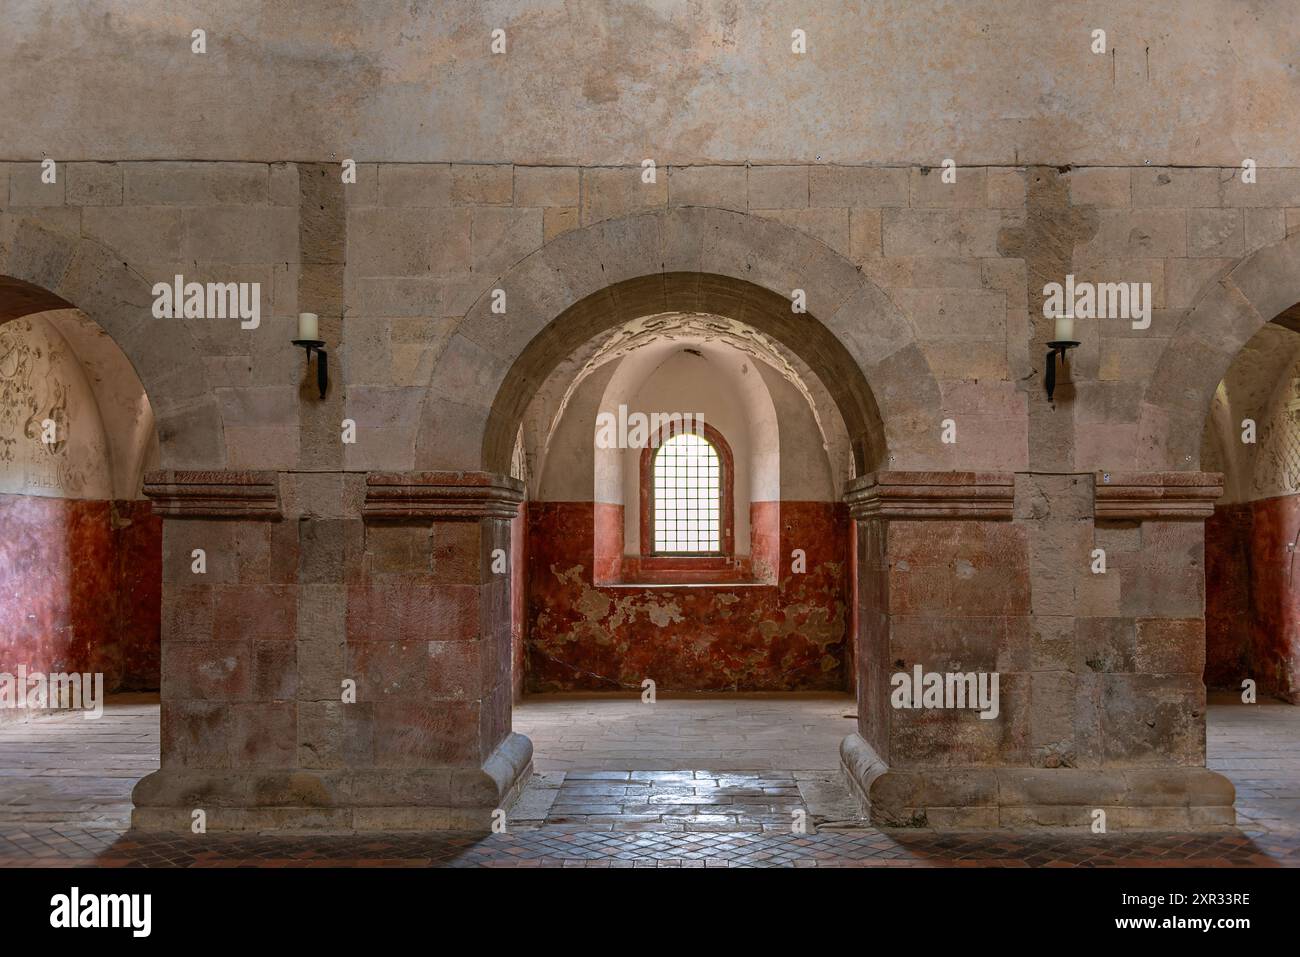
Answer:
(41, 382)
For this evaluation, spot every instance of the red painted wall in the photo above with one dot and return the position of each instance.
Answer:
(608, 548)
(1252, 597)
(81, 588)
(1228, 611)
(790, 636)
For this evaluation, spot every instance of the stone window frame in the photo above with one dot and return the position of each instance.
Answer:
(652, 561)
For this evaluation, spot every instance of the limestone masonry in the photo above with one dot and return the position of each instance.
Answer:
(655, 207)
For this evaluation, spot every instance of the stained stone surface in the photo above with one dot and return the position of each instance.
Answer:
(521, 173)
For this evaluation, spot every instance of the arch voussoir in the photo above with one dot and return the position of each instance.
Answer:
(683, 237)
(34, 254)
(1270, 278)
(604, 254)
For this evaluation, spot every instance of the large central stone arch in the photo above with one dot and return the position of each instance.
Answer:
(41, 270)
(1226, 315)
(691, 259)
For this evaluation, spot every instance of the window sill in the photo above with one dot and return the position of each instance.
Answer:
(735, 583)
(685, 570)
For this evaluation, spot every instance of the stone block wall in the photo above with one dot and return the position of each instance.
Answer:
(954, 260)
(407, 250)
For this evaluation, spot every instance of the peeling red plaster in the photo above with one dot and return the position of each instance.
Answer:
(788, 636)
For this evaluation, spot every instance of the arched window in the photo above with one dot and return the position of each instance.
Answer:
(686, 496)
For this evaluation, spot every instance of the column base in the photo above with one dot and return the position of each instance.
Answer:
(1165, 799)
(384, 799)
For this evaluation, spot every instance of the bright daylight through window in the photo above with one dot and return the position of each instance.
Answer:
(687, 477)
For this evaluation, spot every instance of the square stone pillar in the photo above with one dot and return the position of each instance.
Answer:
(428, 633)
(1101, 705)
(347, 669)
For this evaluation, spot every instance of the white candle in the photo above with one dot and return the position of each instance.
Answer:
(1064, 329)
(308, 327)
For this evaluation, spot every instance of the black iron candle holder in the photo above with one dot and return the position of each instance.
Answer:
(1057, 348)
(322, 361)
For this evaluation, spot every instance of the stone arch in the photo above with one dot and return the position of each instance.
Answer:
(42, 270)
(692, 259)
(1226, 315)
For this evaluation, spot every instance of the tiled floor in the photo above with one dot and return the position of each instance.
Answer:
(1258, 748)
(553, 846)
(66, 769)
(741, 733)
(65, 800)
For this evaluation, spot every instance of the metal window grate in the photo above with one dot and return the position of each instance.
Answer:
(687, 495)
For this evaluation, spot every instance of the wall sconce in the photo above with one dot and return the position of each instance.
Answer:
(309, 339)
(1062, 341)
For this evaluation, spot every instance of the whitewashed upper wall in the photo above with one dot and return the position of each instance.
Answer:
(1003, 82)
